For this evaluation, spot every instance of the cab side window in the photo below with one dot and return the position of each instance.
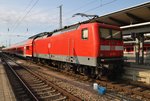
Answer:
(27, 47)
(85, 34)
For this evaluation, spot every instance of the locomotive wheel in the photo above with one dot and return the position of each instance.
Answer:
(74, 68)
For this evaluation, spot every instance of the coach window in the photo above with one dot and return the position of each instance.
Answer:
(85, 34)
(27, 47)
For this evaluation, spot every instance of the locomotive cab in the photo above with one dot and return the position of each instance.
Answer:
(110, 51)
(111, 44)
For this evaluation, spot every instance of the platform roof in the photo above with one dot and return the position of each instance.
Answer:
(128, 16)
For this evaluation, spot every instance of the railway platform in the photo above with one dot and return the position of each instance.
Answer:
(137, 72)
(6, 93)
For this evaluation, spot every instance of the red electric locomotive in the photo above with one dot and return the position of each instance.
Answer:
(90, 48)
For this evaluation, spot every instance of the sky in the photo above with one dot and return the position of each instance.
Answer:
(20, 19)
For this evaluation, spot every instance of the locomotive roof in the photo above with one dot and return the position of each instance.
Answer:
(65, 29)
(55, 31)
(40, 34)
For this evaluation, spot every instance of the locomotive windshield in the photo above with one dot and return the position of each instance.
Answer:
(116, 34)
(106, 33)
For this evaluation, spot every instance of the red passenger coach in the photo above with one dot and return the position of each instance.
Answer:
(23, 49)
(15, 49)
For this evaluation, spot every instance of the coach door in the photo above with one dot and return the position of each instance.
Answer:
(71, 50)
(49, 48)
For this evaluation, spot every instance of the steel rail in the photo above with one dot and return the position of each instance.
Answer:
(22, 82)
(119, 87)
(63, 91)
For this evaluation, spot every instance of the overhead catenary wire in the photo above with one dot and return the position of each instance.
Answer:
(25, 15)
(14, 35)
(86, 4)
(65, 13)
(21, 16)
(82, 6)
(13, 25)
(101, 5)
(79, 8)
(54, 17)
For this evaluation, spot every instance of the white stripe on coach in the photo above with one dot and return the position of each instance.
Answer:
(105, 47)
(118, 47)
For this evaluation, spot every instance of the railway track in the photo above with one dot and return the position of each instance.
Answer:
(128, 90)
(131, 91)
(120, 90)
(32, 86)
